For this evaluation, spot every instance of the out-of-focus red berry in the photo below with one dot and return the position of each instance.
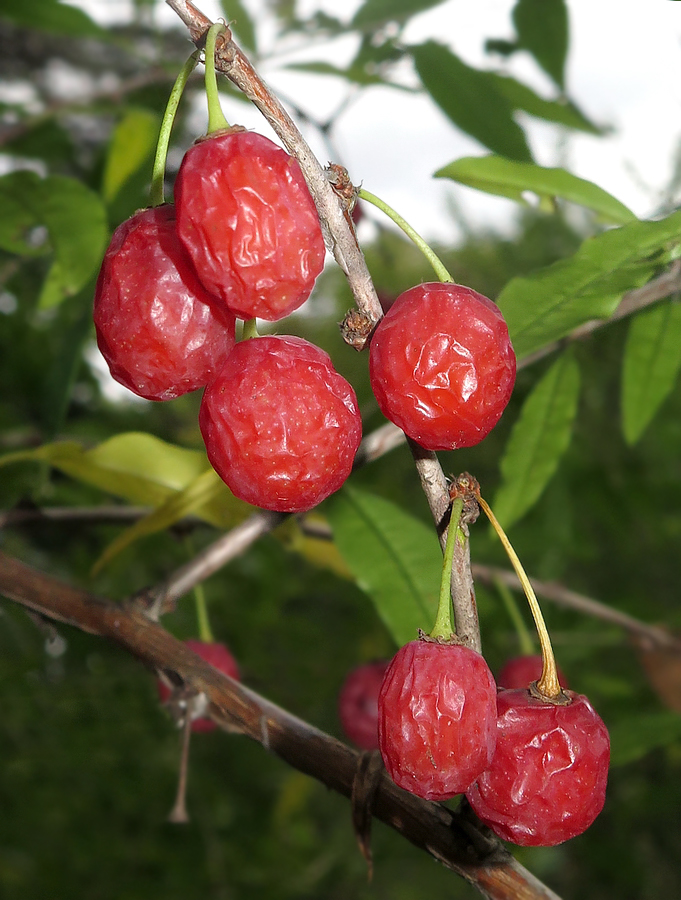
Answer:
(437, 715)
(546, 782)
(217, 655)
(280, 425)
(358, 704)
(442, 366)
(246, 218)
(521, 671)
(160, 331)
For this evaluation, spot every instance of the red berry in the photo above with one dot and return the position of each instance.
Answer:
(159, 330)
(248, 221)
(436, 718)
(521, 671)
(442, 366)
(217, 655)
(281, 426)
(358, 704)
(547, 780)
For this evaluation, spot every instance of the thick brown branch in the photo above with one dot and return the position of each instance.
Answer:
(452, 838)
(230, 61)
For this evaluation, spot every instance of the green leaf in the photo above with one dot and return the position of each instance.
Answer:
(394, 557)
(136, 466)
(50, 15)
(240, 23)
(509, 178)
(198, 499)
(471, 99)
(354, 74)
(547, 305)
(652, 360)
(375, 13)
(562, 112)
(634, 737)
(76, 221)
(538, 440)
(132, 145)
(18, 219)
(542, 27)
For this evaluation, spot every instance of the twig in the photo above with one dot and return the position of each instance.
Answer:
(452, 838)
(562, 596)
(21, 516)
(230, 60)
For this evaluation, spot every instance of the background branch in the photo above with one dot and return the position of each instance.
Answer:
(453, 838)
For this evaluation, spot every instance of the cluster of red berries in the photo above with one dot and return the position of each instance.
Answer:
(280, 425)
(535, 771)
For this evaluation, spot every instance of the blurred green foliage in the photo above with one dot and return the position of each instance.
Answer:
(89, 760)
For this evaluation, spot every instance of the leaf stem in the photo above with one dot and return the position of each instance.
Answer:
(158, 173)
(216, 118)
(443, 627)
(548, 683)
(427, 251)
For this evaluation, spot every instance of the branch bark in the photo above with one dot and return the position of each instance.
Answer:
(453, 838)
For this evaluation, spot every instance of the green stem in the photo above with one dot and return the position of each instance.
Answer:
(524, 637)
(427, 251)
(216, 118)
(249, 329)
(548, 683)
(205, 633)
(443, 627)
(159, 170)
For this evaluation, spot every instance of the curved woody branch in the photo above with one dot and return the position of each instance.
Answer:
(454, 839)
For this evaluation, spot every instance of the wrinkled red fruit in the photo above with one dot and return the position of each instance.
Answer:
(358, 704)
(161, 333)
(247, 219)
(217, 655)
(281, 426)
(547, 780)
(521, 671)
(437, 715)
(442, 366)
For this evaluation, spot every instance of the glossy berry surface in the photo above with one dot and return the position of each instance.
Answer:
(217, 655)
(247, 219)
(358, 704)
(161, 333)
(547, 780)
(280, 425)
(442, 366)
(436, 718)
(521, 671)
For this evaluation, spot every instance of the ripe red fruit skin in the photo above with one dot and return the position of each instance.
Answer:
(436, 718)
(358, 704)
(217, 655)
(161, 333)
(547, 780)
(521, 671)
(246, 217)
(280, 425)
(442, 366)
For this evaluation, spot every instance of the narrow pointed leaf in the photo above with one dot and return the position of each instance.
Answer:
(394, 557)
(652, 360)
(471, 99)
(132, 145)
(547, 305)
(542, 27)
(562, 111)
(50, 15)
(538, 440)
(198, 499)
(374, 13)
(510, 178)
(635, 736)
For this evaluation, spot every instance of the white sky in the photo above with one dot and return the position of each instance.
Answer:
(624, 69)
